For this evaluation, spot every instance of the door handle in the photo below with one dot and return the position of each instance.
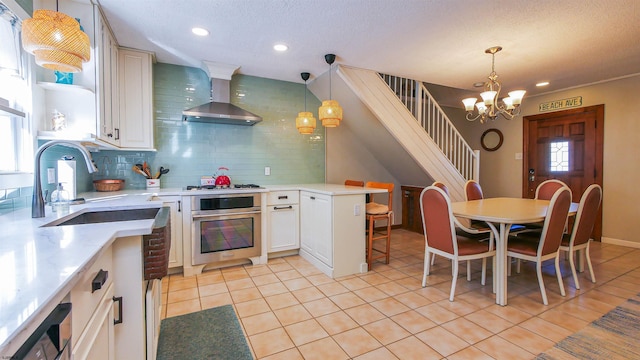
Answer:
(532, 175)
(119, 319)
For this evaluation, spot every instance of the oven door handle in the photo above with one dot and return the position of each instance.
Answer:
(212, 216)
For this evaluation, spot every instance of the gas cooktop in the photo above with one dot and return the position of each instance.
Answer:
(214, 187)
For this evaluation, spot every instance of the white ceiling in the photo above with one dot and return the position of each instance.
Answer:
(568, 42)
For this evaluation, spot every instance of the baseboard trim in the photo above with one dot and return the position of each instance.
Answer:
(627, 243)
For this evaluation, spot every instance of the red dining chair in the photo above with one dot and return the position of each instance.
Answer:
(528, 246)
(441, 238)
(580, 236)
(544, 191)
(479, 231)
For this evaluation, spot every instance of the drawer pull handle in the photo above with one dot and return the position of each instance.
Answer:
(282, 197)
(119, 319)
(282, 207)
(99, 280)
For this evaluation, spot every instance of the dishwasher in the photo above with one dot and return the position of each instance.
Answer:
(51, 339)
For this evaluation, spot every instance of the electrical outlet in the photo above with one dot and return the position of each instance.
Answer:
(356, 209)
(51, 176)
(267, 170)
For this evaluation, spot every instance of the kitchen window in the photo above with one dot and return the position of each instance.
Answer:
(16, 139)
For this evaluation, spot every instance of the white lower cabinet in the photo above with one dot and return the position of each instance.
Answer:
(283, 211)
(332, 232)
(92, 309)
(97, 342)
(316, 227)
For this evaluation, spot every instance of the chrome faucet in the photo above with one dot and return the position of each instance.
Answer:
(37, 201)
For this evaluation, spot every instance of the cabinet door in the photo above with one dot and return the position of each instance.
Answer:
(175, 253)
(97, 341)
(135, 87)
(323, 229)
(316, 227)
(107, 76)
(307, 222)
(283, 227)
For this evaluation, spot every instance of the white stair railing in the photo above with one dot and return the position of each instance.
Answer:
(415, 96)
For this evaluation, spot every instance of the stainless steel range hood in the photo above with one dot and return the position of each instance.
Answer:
(220, 110)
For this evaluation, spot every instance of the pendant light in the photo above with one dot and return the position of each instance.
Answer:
(330, 113)
(305, 122)
(56, 41)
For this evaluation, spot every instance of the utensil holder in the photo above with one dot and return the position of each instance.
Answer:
(153, 183)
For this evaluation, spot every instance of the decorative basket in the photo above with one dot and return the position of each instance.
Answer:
(108, 184)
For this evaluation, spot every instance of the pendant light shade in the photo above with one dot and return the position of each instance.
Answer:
(56, 41)
(330, 113)
(305, 122)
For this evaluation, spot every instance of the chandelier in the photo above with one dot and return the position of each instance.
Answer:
(489, 108)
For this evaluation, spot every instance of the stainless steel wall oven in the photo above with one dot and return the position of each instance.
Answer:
(225, 227)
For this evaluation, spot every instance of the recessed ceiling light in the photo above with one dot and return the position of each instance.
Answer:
(200, 31)
(280, 47)
(478, 84)
(544, 83)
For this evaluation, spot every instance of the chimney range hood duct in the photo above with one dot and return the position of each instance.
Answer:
(220, 110)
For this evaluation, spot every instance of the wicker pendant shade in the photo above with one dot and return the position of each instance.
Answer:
(305, 123)
(330, 113)
(56, 41)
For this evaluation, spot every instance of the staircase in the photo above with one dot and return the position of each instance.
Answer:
(410, 114)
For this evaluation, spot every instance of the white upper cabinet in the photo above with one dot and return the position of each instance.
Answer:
(109, 103)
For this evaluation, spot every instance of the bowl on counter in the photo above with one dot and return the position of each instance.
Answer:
(108, 184)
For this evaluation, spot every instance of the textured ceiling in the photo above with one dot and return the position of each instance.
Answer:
(568, 42)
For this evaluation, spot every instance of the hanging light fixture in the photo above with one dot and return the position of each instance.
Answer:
(305, 122)
(56, 41)
(330, 113)
(489, 108)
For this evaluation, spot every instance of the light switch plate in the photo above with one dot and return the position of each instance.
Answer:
(51, 176)
(519, 156)
(267, 170)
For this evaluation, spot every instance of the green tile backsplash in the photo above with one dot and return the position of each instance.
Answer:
(191, 150)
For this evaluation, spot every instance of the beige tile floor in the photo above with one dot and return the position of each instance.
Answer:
(290, 310)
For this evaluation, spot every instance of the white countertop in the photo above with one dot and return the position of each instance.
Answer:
(40, 265)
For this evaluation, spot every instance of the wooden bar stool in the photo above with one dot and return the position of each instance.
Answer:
(376, 211)
(349, 182)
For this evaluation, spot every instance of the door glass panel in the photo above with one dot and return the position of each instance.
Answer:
(559, 152)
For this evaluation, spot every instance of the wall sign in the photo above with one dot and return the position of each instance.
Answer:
(561, 104)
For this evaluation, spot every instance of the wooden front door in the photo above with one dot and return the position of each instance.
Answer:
(564, 145)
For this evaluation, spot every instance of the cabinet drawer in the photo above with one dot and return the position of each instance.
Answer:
(283, 197)
(84, 299)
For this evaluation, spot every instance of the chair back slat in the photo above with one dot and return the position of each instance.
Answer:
(437, 219)
(587, 213)
(473, 191)
(354, 183)
(555, 221)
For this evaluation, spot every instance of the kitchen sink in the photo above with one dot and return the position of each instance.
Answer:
(102, 216)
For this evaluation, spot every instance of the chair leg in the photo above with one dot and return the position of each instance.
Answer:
(559, 275)
(572, 265)
(388, 240)
(426, 269)
(454, 280)
(541, 283)
(588, 256)
(370, 244)
(484, 271)
(494, 274)
(433, 259)
(508, 265)
(518, 262)
(468, 270)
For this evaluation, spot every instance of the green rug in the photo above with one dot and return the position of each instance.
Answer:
(207, 334)
(614, 336)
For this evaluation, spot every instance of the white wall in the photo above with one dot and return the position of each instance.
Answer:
(501, 173)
